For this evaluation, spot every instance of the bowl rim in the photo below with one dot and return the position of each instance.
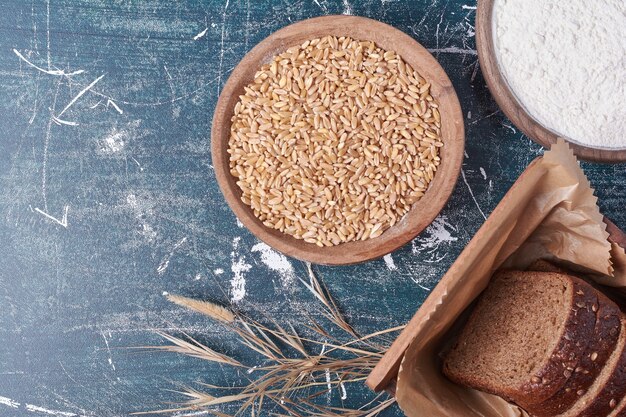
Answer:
(427, 208)
(510, 105)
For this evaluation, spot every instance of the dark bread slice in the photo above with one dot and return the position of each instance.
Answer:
(601, 346)
(609, 387)
(571, 347)
(609, 313)
(526, 329)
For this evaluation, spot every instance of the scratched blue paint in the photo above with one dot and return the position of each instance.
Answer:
(130, 162)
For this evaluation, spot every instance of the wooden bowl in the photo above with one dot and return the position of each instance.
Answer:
(421, 214)
(508, 102)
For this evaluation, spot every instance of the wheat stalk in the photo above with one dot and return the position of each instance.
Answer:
(193, 348)
(215, 311)
(321, 293)
(284, 380)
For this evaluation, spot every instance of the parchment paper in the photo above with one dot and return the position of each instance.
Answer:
(550, 212)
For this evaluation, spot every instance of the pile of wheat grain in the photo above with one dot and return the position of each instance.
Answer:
(334, 140)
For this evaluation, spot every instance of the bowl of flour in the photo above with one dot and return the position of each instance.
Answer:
(558, 69)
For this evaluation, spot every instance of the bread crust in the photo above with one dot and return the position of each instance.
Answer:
(603, 342)
(611, 394)
(578, 333)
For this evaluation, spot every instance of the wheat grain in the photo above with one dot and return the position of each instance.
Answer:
(334, 140)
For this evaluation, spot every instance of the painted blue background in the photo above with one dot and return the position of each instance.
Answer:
(132, 172)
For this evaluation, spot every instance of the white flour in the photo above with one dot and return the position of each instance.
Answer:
(239, 267)
(276, 262)
(566, 63)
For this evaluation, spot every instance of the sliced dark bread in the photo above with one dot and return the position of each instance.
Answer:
(609, 387)
(600, 348)
(525, 331)
(579, 383)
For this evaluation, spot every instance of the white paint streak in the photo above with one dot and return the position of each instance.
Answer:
(62, 222)
(509, 127)
(221, 63)
(344, 392)
(486, 117)
(46, 145)
(9, 402)
(63, 122)
(466, 7)
(327, 373)
(79, 95)
(50, 72)
(201, 34)
(165, 262)
(276, 262)
(483, 173)
(437, 33)
(453, 50)
(239, 267)
(347, 9)
(175, 110)
(106, 342)
(32, 118)
(323, 7)
(48, 33)
(68, 374)
(193, 413)
(472, 194)
(115, 106)
(328, 384)
(37, 409)
(438, 233)
(391, 265)
(218, 271)
(137, 162)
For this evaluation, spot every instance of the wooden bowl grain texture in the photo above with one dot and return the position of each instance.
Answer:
(421, 214)
(509, 103)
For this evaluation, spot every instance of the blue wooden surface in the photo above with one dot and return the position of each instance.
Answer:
(132, 171)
